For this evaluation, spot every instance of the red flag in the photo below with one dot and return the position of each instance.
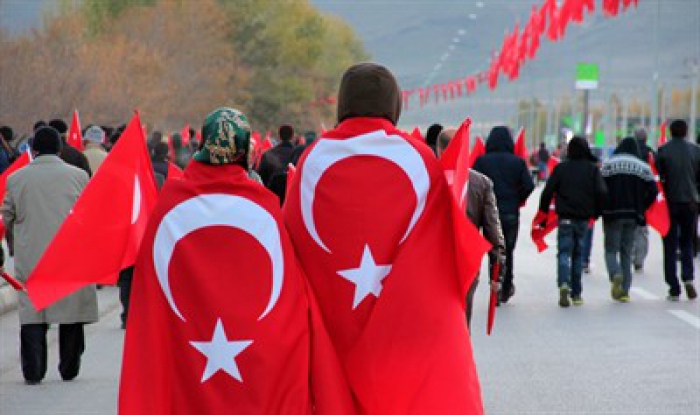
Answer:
(174, 172)
(22, 161)
(383, 277)
(417, 135)
(662, 135)
(455, 161)
(14, 283)
(291, 172)
(493, 298)
(478, 150)
(185, 133)
(75, 135)
(657, 216)
(551, 219)
(102, 234)
(221, 320)
(520, 147)
(611, 7)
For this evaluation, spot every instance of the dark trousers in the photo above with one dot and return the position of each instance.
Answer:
(33, 350)
(570, 253)
(509, 224)
(470, 301)
(125, 277)
(680, 235)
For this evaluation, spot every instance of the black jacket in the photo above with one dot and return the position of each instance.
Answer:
(631, 185)
(679, 167)
(512, 182)
(579, 188)
(273, 168)
(75, 157)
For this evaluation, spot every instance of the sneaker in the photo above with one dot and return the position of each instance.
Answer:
(624, 299)
(690, 290)
(577, 300)
(639, 269)
(616, 290)
(564, 296)
(673, 297)
(31, 382)
(586, 268)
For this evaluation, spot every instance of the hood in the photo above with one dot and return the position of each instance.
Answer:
(578, 150)
(500, 140)
(629, 146)
(369, 90)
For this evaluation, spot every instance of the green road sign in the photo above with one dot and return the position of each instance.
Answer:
(587, 76)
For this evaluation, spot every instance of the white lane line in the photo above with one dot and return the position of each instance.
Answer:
(687, 317)
(641, 292)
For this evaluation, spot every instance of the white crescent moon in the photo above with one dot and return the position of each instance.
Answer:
(217, 209)
(377, 143)
(136, 206)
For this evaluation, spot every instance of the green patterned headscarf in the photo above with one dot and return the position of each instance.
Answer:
(226, 138)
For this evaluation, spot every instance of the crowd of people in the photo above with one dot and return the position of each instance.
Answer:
(581, 188)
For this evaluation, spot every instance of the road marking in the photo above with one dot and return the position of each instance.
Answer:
(687, 317)
(644, 293)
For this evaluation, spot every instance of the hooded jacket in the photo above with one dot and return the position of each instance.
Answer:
(578, 185)
(631, 185)
(512, 182)
(679, 169)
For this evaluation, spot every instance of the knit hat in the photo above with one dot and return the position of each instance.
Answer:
(94, 134)
(226, 138)
(369, 90)
(47, 141)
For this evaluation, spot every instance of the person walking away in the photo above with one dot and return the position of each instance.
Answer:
(542, 159)
(679, 167)
(273, 166)
(94, 152)
(580, 193)
(37, 200)
(631, 190)
(70, 155)
(641, 234)
(512, 184)
(483, 213)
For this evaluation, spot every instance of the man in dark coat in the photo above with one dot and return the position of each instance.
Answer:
(679, 169)
(512, 184)
(631, 190)
(69, 154)
(273, 166)
(580, 193)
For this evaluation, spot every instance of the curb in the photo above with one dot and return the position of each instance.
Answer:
(8, 299)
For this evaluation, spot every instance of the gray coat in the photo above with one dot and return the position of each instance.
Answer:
(37, 200)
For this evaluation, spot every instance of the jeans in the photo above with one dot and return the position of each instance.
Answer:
(570, 253)
(509, 224)
(641, 246)
(680, 235)
(588, 245)
(619, 242)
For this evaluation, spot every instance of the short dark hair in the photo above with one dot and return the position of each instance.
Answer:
(59, 125)
(47, 141)
(286, 132)
(444, 138)
(431, 136)
(679, 129)
(39, 124)
(6, 132)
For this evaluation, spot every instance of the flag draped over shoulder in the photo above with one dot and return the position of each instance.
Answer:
(220, 319)
(101, 235)
(373, 221)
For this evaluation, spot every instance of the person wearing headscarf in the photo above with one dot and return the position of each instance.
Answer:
(580, 193)
(38, 199)
(631, 190)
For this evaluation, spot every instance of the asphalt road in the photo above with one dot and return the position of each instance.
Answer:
(601, 358)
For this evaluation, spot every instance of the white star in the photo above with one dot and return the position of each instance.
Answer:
(367, 278)
(221, 353)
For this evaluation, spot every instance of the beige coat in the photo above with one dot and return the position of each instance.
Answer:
(37, 200)
(95, 155)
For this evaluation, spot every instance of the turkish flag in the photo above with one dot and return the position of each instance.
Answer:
(611, 7)
(417, 135)
(551, 218)
(291, 172)
(374, 223)
(22, 161)
(75, 135)
(221, 320)
(662, 135)
(478, 150)
(101, 235)
(185, 133)
(456, 163)
(521, 147)
(174, 172)
(657, 216)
